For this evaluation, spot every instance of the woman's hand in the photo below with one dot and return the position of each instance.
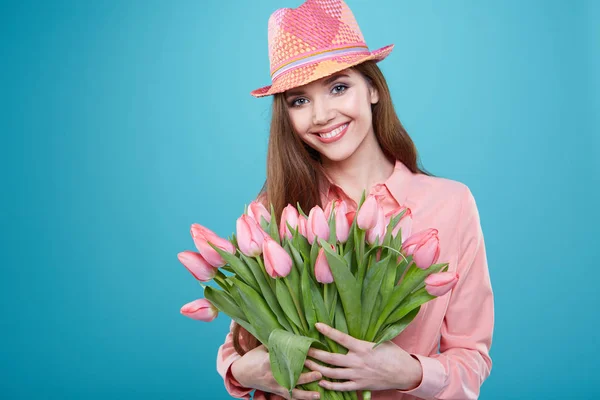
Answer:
(253, 370)
(363, 368)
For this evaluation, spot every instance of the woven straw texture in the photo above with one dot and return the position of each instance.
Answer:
(315, 40)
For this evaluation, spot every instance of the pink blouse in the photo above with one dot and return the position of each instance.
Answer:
(460, 322)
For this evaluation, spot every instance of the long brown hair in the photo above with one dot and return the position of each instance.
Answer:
(294, 168)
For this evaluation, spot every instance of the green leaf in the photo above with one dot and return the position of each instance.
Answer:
(371, 288)
(308, 304)
(224, 302)
(349, 245)
(273, 228)
(402, 267)
(300, 210)
(416, 299)
(257, 310)
(234, 241)
(287, 353)
(348, 289)
(238, 266)
(321, 311)
(340, 324)
(294, 275)
(300, 243)
(391, 225)
(414, 276)
(389, 280)
(395, 329)
(287, 303)
(267, 291)
(332, 235)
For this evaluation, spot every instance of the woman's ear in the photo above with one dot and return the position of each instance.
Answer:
(374, 94)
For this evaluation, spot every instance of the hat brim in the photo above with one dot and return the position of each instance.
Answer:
(312, 72)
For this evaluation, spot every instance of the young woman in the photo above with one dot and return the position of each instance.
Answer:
(334, 133)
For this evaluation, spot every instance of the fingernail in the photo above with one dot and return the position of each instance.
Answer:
(316, 396)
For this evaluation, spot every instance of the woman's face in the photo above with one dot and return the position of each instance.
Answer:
(333, 115)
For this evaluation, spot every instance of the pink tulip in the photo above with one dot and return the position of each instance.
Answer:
(289, 215)
(201, 236)
(201, 310)
(249, 235)
(424, 247)
(342, 228)
(302, 221)
(278, 262)
(405, 222)
(378, 231)
(197, 265)
(317, 226)
(440, 283)
(322, 269)
(257, 210)
(367, 214)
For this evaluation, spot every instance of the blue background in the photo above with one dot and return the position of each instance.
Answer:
(125, 122)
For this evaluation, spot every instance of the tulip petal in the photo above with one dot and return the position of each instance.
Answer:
(200, 309)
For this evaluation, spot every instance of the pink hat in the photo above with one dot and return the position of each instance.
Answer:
(317, 39)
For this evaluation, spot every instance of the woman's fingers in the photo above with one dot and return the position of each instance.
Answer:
(298, 394)
(308, 377)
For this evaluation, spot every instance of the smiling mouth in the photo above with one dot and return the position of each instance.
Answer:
(333, 133)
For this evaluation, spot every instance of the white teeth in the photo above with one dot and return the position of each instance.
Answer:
(334, 132)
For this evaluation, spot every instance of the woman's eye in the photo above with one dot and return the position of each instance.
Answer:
(298, 102)
(338, 89)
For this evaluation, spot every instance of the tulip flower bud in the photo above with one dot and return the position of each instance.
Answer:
(317, 226)
(278, 262)
(378, 231)
(257, 210)
(342, 228)
(367, 214)
(322, 270)
(201, 236)
(288, 216)
(250, 236)
(201, 310)
(440, 283)
(424, 247)
(302, 221)
(197, 265)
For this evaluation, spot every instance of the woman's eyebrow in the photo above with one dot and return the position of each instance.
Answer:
(333, 78)
(326, 82)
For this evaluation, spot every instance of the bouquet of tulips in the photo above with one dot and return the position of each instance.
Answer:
(349, 270)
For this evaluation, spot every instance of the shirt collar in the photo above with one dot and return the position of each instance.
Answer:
(397, 184)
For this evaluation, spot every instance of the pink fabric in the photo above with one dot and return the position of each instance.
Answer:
(461, 322)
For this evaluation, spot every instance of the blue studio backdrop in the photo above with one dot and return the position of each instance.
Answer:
(124, 122)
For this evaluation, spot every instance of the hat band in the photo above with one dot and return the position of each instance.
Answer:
(324, 55)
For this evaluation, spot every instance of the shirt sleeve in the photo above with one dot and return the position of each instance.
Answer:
(225, 357)
(463, 363)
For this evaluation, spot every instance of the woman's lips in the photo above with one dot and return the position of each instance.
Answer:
(337, 137)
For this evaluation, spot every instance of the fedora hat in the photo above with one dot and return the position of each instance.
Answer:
(317, 39)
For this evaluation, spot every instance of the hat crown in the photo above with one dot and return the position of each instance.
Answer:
(313, 27)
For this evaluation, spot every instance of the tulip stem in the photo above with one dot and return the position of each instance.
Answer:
(264, 271)
(298, 308)
(220, 279)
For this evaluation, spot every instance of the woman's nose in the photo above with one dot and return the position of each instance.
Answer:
(321, 112)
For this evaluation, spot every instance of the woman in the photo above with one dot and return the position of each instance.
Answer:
(334, 133)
